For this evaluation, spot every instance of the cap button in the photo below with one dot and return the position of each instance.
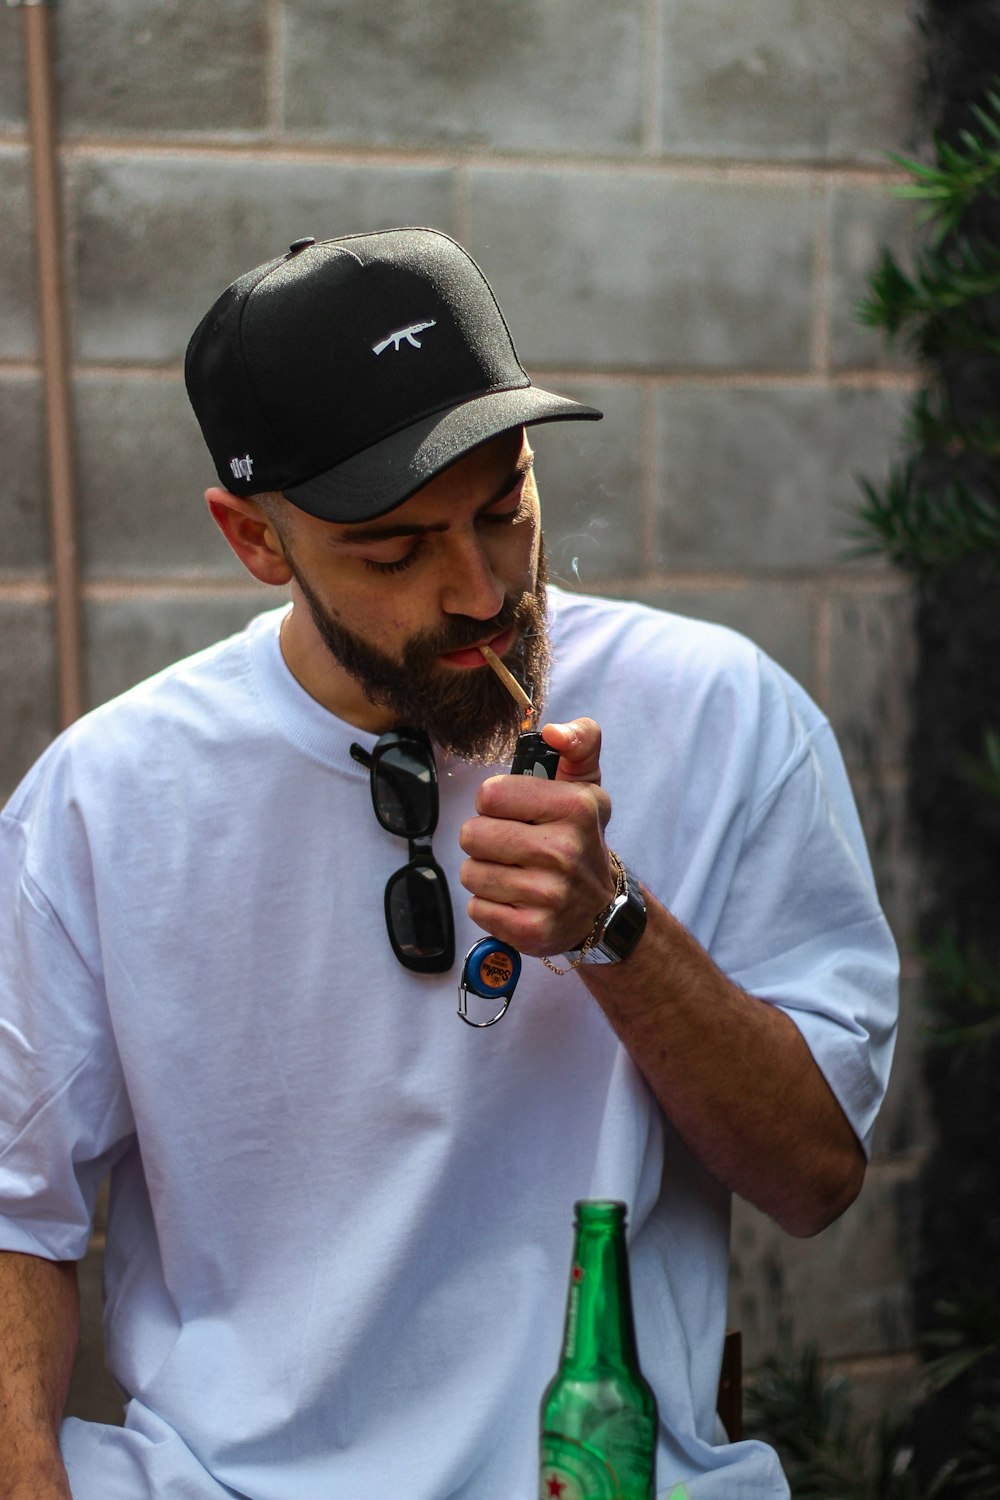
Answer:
(298, 245)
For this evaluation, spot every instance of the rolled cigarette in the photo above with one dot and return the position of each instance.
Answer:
(510, 682)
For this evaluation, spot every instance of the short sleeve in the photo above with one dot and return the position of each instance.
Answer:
(64, 1113)
(811, 935)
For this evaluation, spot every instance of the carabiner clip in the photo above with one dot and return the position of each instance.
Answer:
(491, 970)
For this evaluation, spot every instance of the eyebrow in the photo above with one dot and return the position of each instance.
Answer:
(386, 532)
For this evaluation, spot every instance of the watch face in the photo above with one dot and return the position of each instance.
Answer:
(623, 927)
(626, 923)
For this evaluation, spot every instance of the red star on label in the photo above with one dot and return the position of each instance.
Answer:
(556, 1486)
(577, 1273)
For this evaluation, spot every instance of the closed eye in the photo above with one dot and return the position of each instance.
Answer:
(502, 517)
(512, 507)
(400, 564)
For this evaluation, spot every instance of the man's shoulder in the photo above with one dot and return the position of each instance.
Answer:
(147, 723)
(591, 628)
(212, 674)
(701, 682)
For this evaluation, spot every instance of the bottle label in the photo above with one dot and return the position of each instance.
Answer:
(571, 1470)
(575, 1471)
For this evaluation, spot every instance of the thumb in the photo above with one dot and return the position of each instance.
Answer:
(579, 746)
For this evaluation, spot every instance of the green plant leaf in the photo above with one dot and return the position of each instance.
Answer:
(922, 529)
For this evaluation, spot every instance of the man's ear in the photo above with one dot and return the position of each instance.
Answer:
(250, 534)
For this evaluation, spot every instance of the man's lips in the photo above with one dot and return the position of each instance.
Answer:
(469, 656)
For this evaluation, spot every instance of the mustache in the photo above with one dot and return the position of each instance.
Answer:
(464, 631)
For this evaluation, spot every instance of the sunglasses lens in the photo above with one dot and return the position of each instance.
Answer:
(405, 791)
(418, 913)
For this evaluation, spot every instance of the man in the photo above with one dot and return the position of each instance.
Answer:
(340, 1219)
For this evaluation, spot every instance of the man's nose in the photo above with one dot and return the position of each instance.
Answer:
(471, 587)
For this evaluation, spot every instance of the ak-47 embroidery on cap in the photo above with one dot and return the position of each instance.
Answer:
(409, 334)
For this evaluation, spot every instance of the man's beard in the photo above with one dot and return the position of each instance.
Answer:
(467, 711)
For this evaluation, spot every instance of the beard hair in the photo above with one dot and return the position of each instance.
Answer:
(468, 712)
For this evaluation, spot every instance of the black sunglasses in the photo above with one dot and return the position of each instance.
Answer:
(404, 786)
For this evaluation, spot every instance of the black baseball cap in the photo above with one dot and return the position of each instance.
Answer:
(349, 372)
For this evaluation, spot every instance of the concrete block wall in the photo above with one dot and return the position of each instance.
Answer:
(677, 202)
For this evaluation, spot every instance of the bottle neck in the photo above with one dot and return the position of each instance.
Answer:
(599, 1327)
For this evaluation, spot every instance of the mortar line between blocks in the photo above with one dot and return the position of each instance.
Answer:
(823, 647)
(821, 337)
(108, 590)
(275, 65)
(736, 378)
(461, 203)
(38, 590)
(653, 81)
(651, 494)
(255, 146)
(742, 378)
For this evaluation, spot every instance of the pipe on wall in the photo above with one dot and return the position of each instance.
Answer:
(55, 357)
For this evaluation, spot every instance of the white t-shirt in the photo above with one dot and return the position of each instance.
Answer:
(340, 1221)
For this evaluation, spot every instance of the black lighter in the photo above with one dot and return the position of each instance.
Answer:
(533, 757)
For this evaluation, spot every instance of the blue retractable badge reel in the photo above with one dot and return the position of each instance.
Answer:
(492, 968)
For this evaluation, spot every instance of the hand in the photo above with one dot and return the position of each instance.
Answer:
(538, 866)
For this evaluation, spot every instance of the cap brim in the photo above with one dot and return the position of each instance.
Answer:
(382, 477)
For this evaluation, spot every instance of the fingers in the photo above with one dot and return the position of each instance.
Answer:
(516, 858)
(532, 800)
(535, 799)
(537, 887)
(530, 930)
(536, 913)
(579, 746)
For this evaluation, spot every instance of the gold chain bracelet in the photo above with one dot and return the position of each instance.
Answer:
(602, 917)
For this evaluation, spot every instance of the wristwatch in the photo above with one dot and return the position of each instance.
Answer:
(623, 924)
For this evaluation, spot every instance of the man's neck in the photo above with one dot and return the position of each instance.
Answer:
(308, 659)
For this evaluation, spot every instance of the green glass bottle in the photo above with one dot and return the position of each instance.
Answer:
(598, 1421)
